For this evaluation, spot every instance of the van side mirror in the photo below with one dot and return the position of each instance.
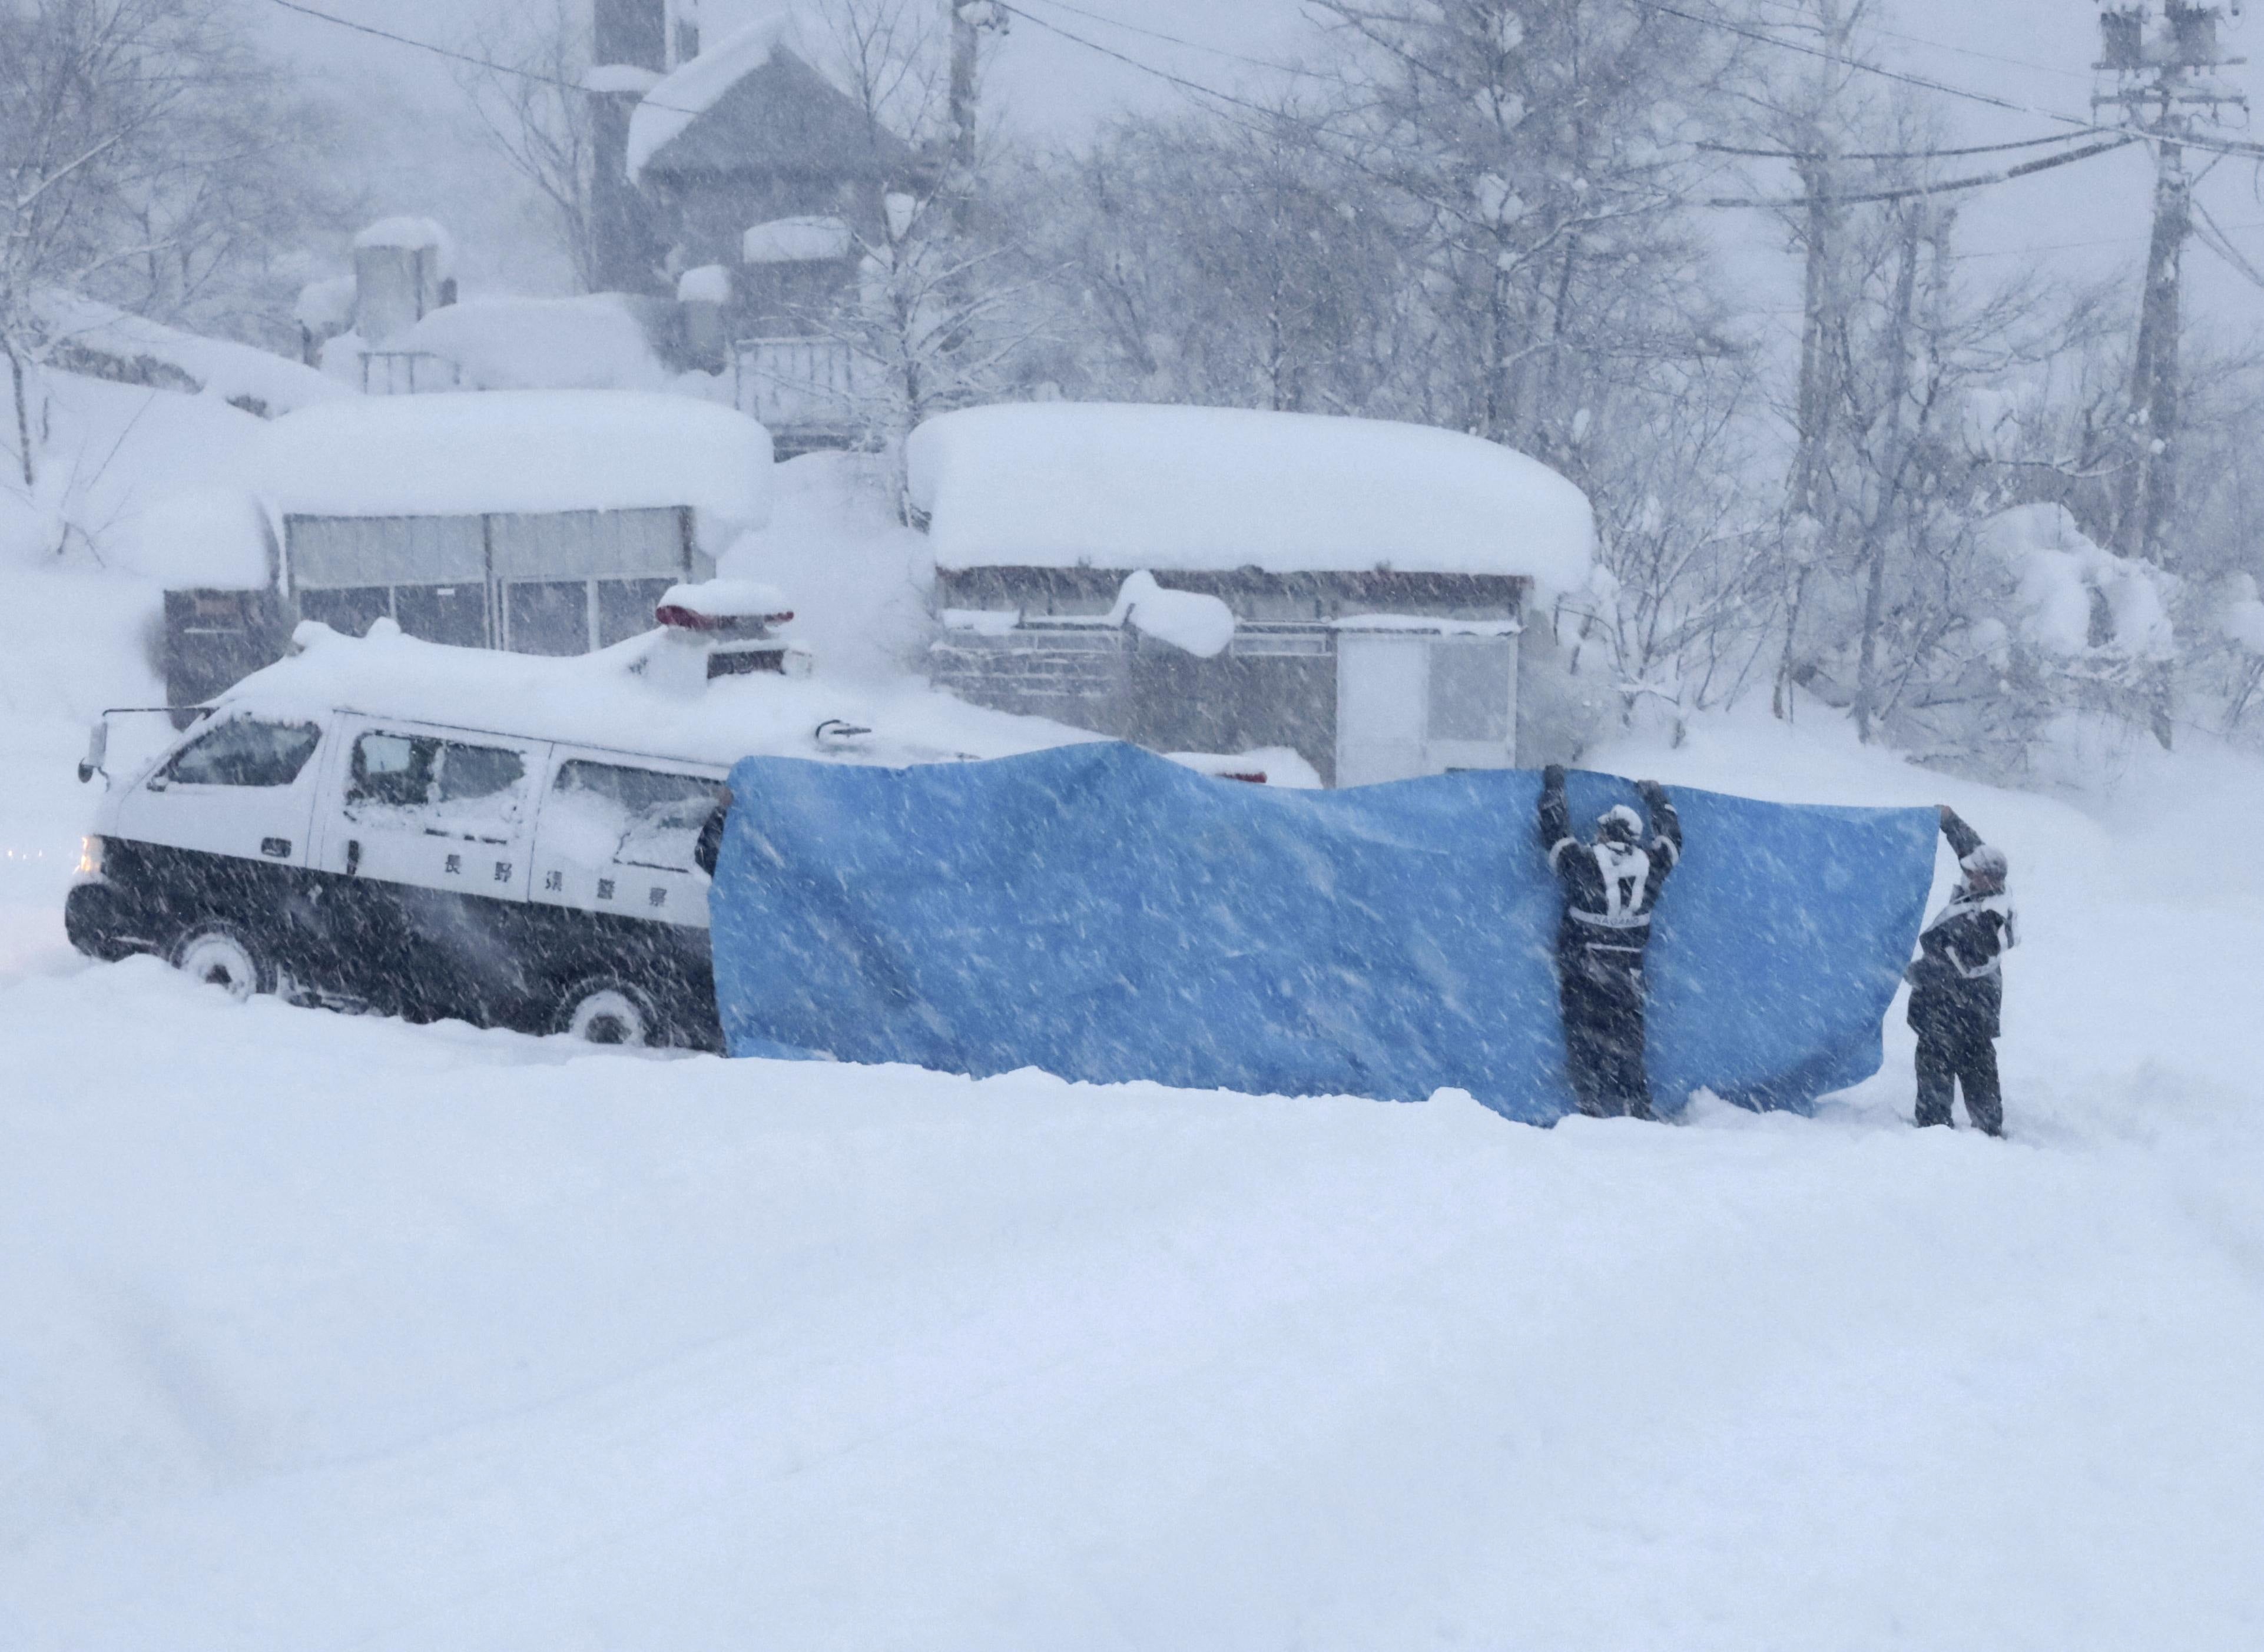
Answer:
(97, 747)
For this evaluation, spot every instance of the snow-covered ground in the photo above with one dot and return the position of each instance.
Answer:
(327, 1332)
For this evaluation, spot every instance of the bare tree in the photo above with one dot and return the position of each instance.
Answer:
(533, 114)
(148, 157)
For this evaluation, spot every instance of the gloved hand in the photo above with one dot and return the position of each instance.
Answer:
(1553, 775)
(1649, 790)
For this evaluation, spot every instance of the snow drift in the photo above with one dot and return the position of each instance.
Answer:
(1103, 914)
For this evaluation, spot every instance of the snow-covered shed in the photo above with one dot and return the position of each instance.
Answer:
(538, 522)
(1223, 580)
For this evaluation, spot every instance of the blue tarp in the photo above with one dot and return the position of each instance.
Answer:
(1103, 914)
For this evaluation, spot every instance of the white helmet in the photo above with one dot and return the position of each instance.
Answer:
(1620, 824)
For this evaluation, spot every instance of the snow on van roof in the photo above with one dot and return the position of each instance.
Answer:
(1063, 484)
(473, 453)
(605, 700)
(692, 89)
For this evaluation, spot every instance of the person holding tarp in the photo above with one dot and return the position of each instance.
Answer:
(1610, 888)
(1958, 985)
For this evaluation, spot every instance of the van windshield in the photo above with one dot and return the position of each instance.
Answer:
(245, 751)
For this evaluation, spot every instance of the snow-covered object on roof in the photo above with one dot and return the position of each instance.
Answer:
(620, 77)
(591, 343)
(325, 306)
(1200, 624)
(2060, 570)
(805, 240)
(107, 342)
(523, 450)
(716, 599)
(207, 539)
(709, 284)
(411, 234)
(692, 89)
(1061, 484)
(606, 700)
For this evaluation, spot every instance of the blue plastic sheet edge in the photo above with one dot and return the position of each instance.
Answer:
(1103, 914)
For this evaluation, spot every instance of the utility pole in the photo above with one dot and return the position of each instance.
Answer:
(2157, 61)
(968, 20)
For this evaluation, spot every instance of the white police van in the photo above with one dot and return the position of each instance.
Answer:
(339, 829)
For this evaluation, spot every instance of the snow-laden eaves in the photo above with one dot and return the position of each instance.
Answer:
(506, 451)
(1178, 489)
(693, 89)
(805, 240)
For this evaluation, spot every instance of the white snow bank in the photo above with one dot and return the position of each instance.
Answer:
(2240, 615)
(1063, 484)
(411, 234)
(214, 538)
(861, 578)
(215, 367)
(1200, 624)
(593, 342)
(693, 89)
(526, 450)
(2058, 568)
(607, 699)
(709, 284)
(796, 240)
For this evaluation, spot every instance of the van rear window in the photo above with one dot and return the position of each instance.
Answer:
(601, 812)
(245, 751)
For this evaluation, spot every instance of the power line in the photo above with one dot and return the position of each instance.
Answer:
(453, 55)
(2082, 128)
(1192, 45)
(1904, 193)
(1891, 154)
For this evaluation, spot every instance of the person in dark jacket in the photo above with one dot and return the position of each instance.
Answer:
(1610, 888)
(1958, 985)
(709, 849)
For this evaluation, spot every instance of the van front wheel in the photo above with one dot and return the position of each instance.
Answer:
(604, 1010)
(222, 955)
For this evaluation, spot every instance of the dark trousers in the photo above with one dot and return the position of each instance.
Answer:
(1603, 1053)
(1967, 1062)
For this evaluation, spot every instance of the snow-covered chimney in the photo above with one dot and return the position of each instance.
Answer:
(401, 271)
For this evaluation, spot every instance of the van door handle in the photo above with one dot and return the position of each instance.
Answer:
(354, 856)
(275, 848)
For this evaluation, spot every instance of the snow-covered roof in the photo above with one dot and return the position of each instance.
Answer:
(327, 303)
(515, 450)
(414, 233)
(692, 89)
(1061, 484)
(620, 77)
(209, 367)
(592, 343)
(806, 240)
(600, 699)
(208, 539)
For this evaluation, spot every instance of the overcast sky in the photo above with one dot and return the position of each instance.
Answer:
(2090, 218)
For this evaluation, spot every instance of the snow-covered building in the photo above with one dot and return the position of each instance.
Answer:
(538, 522)
(764, 182)
(1222, 580)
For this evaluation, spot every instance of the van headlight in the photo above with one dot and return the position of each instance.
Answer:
(89, 857)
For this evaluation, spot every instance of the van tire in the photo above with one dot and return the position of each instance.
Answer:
(220, 954)
(605, 1010)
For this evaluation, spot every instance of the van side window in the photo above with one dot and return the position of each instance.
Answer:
(601, 812)
(444, 788)
(245, 751)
